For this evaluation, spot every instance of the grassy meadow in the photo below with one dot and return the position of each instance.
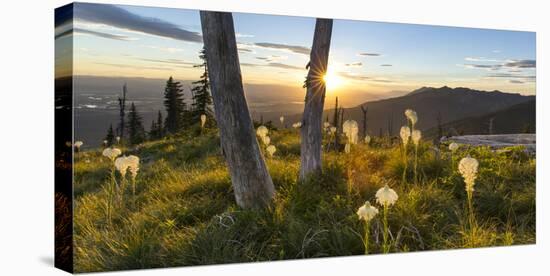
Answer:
(184, 212)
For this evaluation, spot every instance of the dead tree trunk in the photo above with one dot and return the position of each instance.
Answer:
(364, 109)
(310, 151)
(251, 181)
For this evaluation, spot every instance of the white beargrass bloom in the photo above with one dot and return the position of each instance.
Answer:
(416, 136)
(351, 129)
(468, 169)
(118, 139)
(411, 116)
(122, 164)
(367, 139)
(332, 130)
(386, 196)
(203, 120)
(326, 125)
(105, 142)
(271, 149)
(347, 148)
(133, 165)
(282, 119)
(367, 212)
(78, 144)
(111, 153)
(453, 146)
(266, 140)
(297, 125)
(262, 131)
(405, 133)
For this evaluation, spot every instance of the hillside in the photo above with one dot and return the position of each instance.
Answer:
(520, 118)
(452, 103)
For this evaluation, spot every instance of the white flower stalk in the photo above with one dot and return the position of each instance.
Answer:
(118, 139)
(297, 125)
(133, 167)
(351, 130)
(386, 197)
(332, 130)
(367, 139)
(367, 213)
(122, 164)
(347, 148)
(326, 125)
(262, 131)
(282, 120)
(203, 120)
(453, 147)
(266, 140)
(411, 116)
(405, 134)
(111, 153)
(416, 136)
(468, 167)
(105, 142)
(271, 149)
(78, 144)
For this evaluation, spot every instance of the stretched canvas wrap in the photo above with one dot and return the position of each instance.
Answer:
(188, 137)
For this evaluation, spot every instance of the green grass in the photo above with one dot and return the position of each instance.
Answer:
(184, 212)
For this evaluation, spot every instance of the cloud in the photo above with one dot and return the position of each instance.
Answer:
(169, 61)
(369, 54)
(292, 48)
(354, 76)
(272, 58)
(354, 64)
(492, 67)
(103, 35)
(496, 51)
(166, 49)
(386, 65)
(285, 66)
(481, 59)
(117, 17)
(135, 67)
(239, 35)
(524, 63)
(516, 81)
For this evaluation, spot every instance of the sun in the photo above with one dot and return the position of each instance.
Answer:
(332, 80)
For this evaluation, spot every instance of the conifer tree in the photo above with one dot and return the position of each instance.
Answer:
(136, 131)
(202, 101)
(175, 106)
(110, 137)
(153, 131)
(122, 112)
(160, 128)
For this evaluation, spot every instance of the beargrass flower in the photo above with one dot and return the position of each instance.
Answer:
(78, 144)
(405, 134)
(367, 213)
(468, 167)
(347, 148)
(111, 153)
(282, 120)
(411, 116)
(118, 139)
(453, 147)
(122, 164)
(367, 139)
(386, 197)
(416, 136)
(271, 149)
(326, 125)
(266, 140)
(351, 130)
(262, 131)
(297, 125)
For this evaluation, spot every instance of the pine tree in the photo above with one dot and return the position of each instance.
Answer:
(160, 128)
(122, 112)
(202, 101)
(110, 137)
(175, 106)
(153, 131)
(136, 131)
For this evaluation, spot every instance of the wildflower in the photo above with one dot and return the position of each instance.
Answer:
(282, 119)
(453, 147)
(351, 129)
(105, 142)
(78, 144)
(386, 196)
(411, 116)
(133, 165)
(271, 150)
(468, 169)
(266, 140)
(122, 164)
(367, 212)
(416, 136)
(405, 134)
(262, 131)
(118, 139)
(111, 153)
(332, 130)
(297, 125)
(203, 120)
(367, 139)
(326, 125)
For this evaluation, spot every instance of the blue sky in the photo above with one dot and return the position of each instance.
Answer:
(369, 57)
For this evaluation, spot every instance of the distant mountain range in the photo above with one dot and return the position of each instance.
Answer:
(452, 105)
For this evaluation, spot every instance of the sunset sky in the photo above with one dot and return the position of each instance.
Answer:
(379, 58)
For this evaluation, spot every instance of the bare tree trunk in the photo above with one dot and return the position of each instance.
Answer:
(251, 180)
(364, 109)
(310, 151)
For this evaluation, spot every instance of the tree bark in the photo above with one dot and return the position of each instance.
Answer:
(310, 151)
(365, 110)
(251, 181)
